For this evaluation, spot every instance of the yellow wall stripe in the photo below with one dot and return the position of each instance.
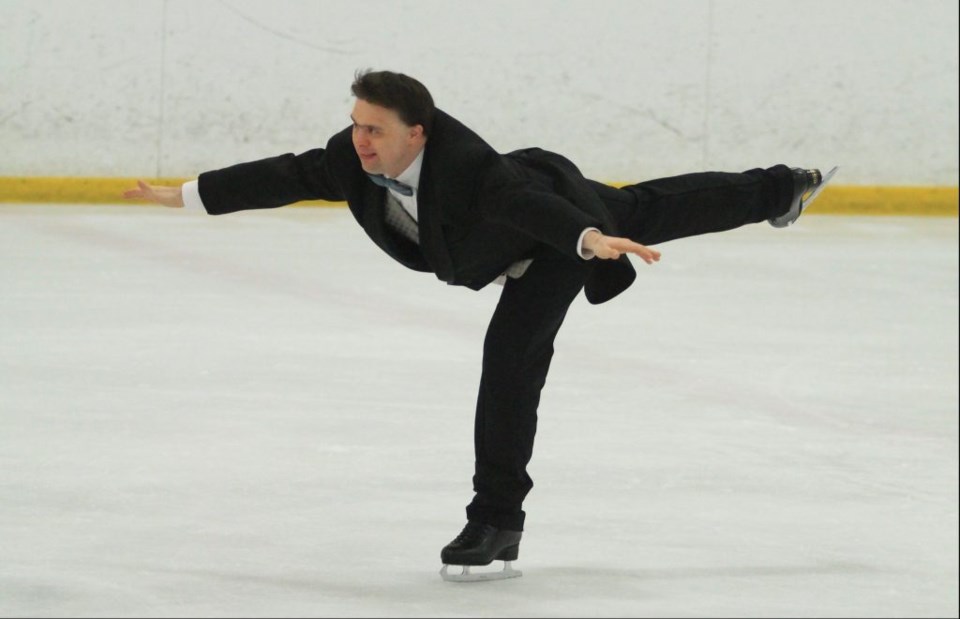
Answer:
(85, 190)
(838, 200)
(887, 200)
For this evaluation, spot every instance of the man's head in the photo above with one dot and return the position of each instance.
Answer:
(392, 117)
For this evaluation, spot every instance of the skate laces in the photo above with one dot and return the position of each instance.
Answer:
(473, 531)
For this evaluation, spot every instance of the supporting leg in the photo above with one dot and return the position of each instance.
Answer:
(516, 357)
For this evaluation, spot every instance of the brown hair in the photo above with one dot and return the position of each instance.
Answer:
(406, 96)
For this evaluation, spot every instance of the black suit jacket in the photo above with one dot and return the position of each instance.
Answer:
(479, 211)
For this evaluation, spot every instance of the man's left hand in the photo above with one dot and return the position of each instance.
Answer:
(612, 247)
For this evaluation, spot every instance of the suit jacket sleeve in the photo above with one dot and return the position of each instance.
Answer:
(510, 198)
(269, 183)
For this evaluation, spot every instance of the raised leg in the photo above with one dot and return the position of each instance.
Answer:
(670, 208)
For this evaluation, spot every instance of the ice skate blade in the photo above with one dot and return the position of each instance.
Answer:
(467, 576)
(816, 192)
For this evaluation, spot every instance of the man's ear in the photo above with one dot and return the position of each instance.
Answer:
(416, 131)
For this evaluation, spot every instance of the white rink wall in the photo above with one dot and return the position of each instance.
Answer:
(628, 89)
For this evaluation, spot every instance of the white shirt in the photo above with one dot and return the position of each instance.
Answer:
(410, 176)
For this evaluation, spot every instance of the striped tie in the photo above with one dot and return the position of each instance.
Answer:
(400, 220)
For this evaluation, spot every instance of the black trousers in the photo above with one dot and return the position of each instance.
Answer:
(518, 346)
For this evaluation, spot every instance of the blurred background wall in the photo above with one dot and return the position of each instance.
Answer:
(628, 89)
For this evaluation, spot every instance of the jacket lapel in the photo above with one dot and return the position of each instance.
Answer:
(432, 240)
(374, 201)
(374, 222)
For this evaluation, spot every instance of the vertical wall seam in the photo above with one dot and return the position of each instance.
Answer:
(707, 86)
(163, 87)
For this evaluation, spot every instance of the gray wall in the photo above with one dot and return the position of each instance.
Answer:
(627, 89)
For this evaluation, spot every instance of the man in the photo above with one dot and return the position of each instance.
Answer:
(435, 197)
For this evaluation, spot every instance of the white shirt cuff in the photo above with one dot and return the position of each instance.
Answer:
(584, 253)
(191, 197)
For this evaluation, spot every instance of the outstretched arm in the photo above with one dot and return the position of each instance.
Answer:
(166, 196)
(267, 183)
(611, 247)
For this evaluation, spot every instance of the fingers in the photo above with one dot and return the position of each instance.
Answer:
(618, 246)
(142, 192)
(158, 194)
(649, 255)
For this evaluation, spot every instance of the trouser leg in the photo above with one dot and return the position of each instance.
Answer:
(664, 209)
(517, 352)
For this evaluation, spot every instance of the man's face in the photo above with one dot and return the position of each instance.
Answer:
(383, 142)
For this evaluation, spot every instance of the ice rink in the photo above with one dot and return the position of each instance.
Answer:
(262, 415)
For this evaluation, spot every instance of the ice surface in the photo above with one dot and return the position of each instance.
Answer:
(262, 415)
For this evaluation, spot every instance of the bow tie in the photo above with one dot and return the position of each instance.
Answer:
(391, 183)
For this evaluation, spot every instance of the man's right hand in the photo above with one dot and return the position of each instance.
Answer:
(167, 196)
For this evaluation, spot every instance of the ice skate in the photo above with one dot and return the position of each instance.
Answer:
(807, 186)
(478, 545)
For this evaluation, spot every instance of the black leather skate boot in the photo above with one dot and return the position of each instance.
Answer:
(804, 183)
(481, 544)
